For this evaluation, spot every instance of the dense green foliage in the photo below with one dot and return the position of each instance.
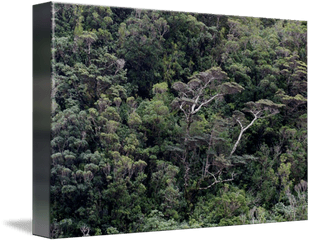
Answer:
(170, 120)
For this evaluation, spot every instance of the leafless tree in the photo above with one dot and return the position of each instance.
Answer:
(85, 230)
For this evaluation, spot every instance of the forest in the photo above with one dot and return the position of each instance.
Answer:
(171, 120)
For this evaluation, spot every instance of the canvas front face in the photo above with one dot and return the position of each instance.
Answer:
(172, 120)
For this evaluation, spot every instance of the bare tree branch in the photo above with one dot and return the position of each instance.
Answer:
(206, 102)
(217, 181)
(263, 108)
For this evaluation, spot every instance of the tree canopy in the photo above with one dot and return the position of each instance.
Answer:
(172, 120)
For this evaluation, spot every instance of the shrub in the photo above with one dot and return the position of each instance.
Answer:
(98, 232)
(223, 209)
(156, 222)
(112, 231)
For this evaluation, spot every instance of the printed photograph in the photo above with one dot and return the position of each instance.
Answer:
(165, 120)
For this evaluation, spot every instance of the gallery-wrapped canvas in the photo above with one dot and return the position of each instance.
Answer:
(147, 120)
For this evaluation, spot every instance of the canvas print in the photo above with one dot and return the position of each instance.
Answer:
(165, 120)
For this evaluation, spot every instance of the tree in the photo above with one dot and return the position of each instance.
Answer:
(89, 38)
(140, 38)
(260, 109)
(199, 92)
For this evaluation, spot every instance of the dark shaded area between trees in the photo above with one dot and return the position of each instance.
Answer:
(171, 120)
